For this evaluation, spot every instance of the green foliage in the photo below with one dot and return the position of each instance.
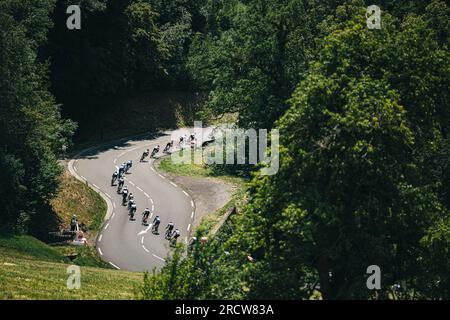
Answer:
(124, 48)
(254, 54)
(363, 176)
(351, 191)
(32, 132)
(170, 283)
(363, 116)
(147, 50)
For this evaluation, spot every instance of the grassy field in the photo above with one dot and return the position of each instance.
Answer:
(28, 247)
(30, 269)
(197, 170)
(75, 197)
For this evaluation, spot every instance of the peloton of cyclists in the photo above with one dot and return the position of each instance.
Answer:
(128, 200)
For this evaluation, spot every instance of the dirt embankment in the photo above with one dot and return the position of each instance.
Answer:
(209, 194)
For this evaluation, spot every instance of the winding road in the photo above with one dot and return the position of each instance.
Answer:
(126, 244)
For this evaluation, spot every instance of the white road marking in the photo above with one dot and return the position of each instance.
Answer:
(146, 249)
(95, 186)
(114, 205)
(174, 184)
(151, 200)
(114, 265)
(192, 203)
(106, 227)
(140, 189)
(142, 240)
(153, 169)
(158, 257)
(115, 160)
(151, 215)
(189, 227)
(108, 195)
(153, 207)
(83, 178)
(100, 238)
(113, 215)
(131, 182)
(185, 193)
(161, 176)
(146, 194)
(75, 168)
(100, 251)
(145, 231)
(192, 215)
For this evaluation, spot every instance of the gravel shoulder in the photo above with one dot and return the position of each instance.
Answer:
(209, 194)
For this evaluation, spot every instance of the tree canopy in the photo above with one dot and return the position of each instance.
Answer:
(32, 132)
(364, 150)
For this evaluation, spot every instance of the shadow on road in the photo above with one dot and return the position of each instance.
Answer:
(121, 144)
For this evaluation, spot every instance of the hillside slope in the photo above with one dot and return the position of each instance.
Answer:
(30, 269)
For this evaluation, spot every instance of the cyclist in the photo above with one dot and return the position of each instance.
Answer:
(175, 236)
(169, 229)
(145, 154)
(156, 223)
(130, 203)
(155, 151)
(129, 164)
(133, 211)
(120, 185)
(124, 195)
(114, 177)
(145, 215)
(168, 146)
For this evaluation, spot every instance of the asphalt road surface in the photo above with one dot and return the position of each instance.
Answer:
(125, 244)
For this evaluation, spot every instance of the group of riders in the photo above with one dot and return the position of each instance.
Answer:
(171, 233)
(183, 140)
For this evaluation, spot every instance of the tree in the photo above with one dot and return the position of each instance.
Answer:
(352, 190)
(147, 50)
(253, 54)
(32, 132)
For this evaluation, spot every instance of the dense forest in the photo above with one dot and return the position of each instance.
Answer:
(364, 120)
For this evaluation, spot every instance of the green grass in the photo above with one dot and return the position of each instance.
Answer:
(27, 246)
(75, 197)
(30, 269)
(197, 170)
(167, 165)
(85, 256)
